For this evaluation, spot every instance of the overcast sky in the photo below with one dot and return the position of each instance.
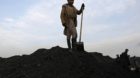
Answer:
(109, 26)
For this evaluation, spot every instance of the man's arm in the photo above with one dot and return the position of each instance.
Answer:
(81, 10)
(62, 16)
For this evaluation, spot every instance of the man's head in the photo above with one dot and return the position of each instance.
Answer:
(70, 2)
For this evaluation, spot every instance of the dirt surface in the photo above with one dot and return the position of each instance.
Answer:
(58, 62)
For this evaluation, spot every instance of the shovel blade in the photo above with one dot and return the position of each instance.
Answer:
(80, 46)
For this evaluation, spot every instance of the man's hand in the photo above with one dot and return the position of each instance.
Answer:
(83, 6)
(64, 24)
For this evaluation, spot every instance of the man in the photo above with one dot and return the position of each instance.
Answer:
(69, 21)
(124, 59)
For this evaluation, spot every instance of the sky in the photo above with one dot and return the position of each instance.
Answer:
(109, 26)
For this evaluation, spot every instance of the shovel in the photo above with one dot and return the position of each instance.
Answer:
(80, 45)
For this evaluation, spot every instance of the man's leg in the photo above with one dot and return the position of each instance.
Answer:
(74, 41)
(68, 42)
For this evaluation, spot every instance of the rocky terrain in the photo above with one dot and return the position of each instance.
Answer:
(58, 62)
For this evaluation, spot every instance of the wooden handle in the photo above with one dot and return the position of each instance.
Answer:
(81, 27)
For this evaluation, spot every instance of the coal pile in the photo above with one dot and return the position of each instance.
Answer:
(58, 62)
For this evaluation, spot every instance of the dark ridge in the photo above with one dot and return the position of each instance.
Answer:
(58, 62)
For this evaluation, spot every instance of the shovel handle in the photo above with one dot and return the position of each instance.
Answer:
(81, 27)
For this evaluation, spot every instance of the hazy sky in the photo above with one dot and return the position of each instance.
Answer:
(109, 26)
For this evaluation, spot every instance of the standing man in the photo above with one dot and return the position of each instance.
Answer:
(69, 21)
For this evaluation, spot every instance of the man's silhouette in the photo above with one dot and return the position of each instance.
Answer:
(69, 21)
(124, 58)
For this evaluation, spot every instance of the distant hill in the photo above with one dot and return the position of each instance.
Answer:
(58, 62)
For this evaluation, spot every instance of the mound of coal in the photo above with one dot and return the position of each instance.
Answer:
(58, 62)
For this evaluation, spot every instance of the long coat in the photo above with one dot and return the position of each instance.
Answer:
(69, 18)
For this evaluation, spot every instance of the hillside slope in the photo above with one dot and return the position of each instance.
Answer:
(58, 62)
